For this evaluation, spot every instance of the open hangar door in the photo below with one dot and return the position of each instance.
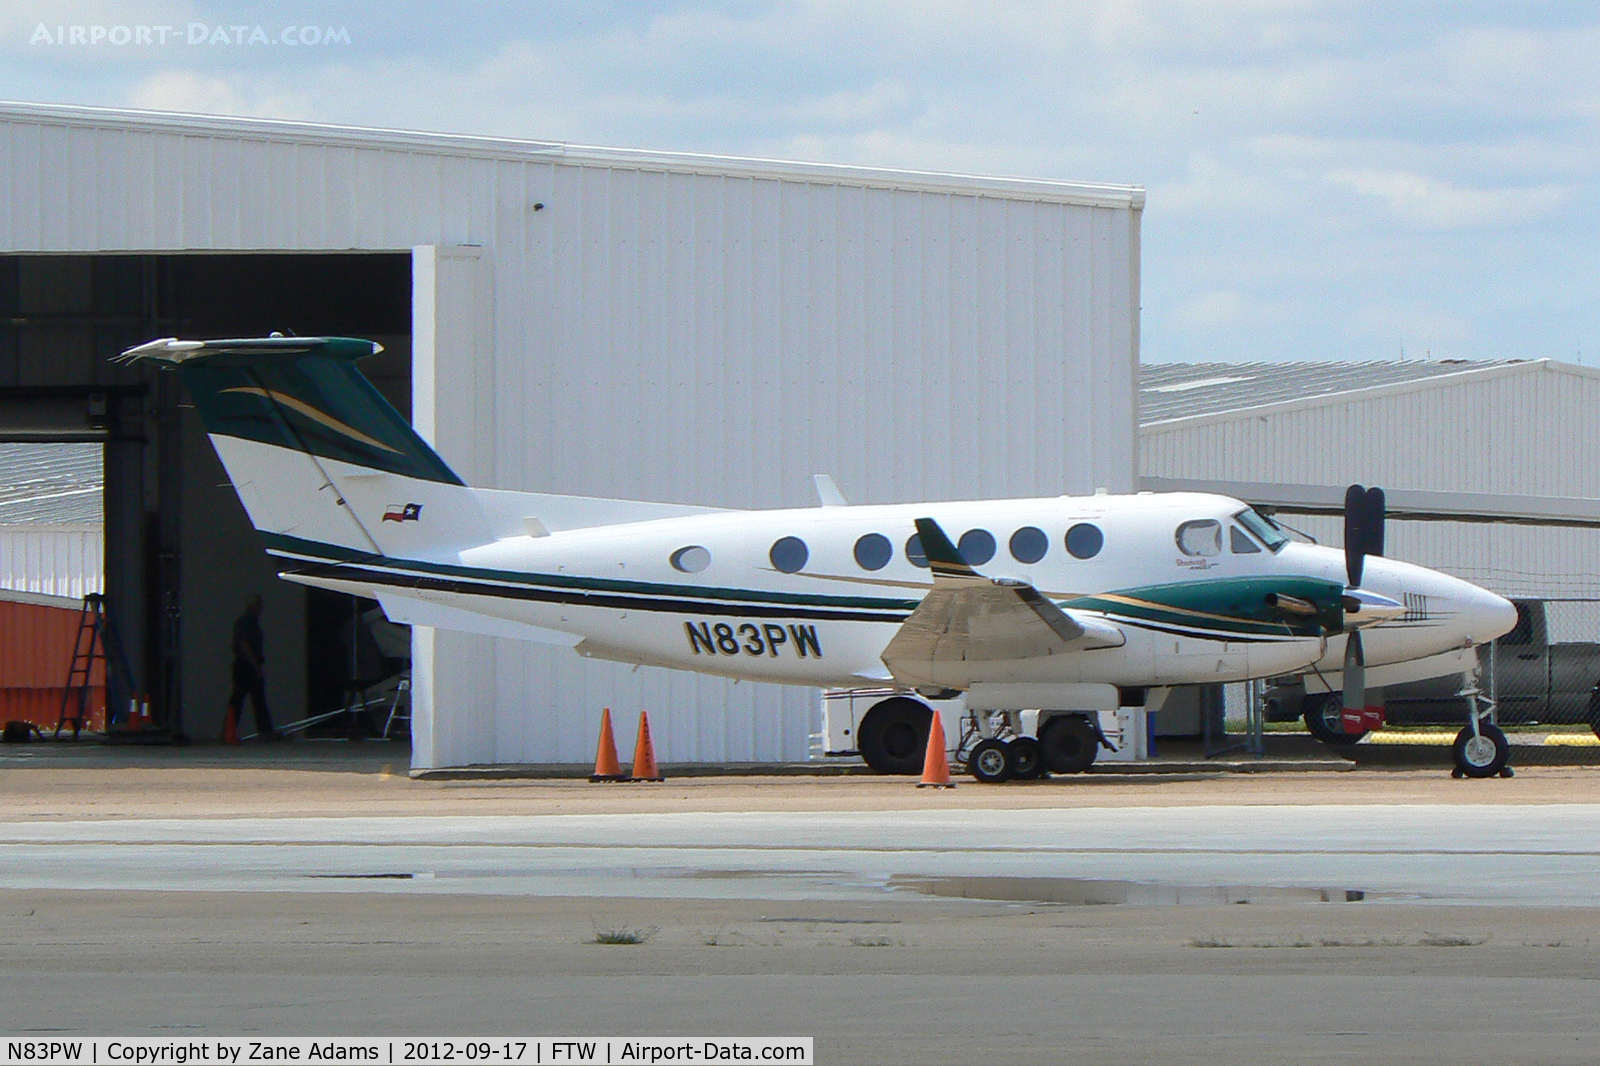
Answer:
(180, 555)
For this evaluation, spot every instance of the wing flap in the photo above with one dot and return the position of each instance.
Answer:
(967, 621)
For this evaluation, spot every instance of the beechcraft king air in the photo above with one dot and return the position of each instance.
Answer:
(1057, 605)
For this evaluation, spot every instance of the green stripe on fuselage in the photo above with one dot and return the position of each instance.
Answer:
(1232, 604)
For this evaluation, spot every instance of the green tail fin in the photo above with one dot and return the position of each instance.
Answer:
(302, 393)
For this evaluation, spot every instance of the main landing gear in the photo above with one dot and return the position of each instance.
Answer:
(893, 739)
(1067, 744)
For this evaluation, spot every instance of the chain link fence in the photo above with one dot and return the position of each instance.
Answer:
(1540, 683)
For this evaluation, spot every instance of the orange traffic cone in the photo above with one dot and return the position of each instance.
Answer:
(644, 754)
(935, 766)
(606, 767)
(230, 726)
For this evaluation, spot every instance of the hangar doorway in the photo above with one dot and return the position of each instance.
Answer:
(179, 554)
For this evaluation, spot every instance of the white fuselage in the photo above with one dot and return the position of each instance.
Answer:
(614, 591)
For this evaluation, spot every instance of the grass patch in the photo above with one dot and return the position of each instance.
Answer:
(618, 934)
(875, 942)
(1428, 940)
(1446, 940)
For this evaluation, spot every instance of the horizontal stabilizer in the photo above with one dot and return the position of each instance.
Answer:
(415, 611)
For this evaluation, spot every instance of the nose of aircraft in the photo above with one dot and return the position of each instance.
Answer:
(1475, 614)
(1459, 612)
(1485, 614)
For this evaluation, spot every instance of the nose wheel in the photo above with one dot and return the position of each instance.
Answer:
(1481, 750)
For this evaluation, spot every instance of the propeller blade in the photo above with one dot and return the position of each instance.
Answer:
(1355, 551)
(1355, 674)
(1374, 512)
(1365, 511)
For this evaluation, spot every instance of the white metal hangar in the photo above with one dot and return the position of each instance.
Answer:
(579, 320)
(1487, 465)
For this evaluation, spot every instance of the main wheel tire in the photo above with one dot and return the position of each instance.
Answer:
(1027, 759)
(1483, 755)
(893, 736)
(1069, 743)
(1324, 717)
(1594, 711)
(991, 762)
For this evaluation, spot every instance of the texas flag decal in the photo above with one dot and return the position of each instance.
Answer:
(411, 512)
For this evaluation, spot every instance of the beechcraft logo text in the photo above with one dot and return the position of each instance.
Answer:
(411, 512)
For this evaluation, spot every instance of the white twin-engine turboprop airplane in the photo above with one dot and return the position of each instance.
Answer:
(1064, 605)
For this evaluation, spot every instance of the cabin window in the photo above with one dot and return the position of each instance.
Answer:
(874, 551)
(1200, 537)
(690, 560)
(914, 552)
(1084, 541)
(1241, 543)
(789, 554)
(1029, 544)
(1264, 528)
(976, 546)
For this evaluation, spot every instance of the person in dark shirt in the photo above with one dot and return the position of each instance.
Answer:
(249, 668)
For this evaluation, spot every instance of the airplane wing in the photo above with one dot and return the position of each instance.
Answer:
(968, 620)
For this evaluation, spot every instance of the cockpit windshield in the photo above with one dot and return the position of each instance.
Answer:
(1265, 529)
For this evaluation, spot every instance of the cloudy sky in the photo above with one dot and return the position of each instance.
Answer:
(1325, 180)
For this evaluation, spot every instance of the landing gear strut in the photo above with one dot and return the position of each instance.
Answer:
(1481, 749)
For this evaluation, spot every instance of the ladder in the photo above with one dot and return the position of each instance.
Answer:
(95, 639)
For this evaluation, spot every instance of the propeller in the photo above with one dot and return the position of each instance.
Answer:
(1363, 536)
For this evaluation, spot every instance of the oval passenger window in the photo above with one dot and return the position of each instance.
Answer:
(1084, 541)
(1029, 544)
(789, 554)
(914, 553)
(874, 551)
(691, 560)
(1200, 537)
(976, 546)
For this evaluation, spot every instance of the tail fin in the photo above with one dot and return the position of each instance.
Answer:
(318, 457)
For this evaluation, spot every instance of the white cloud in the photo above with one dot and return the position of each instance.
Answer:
(1430, 203)
(1229, 309)
(1323, 175)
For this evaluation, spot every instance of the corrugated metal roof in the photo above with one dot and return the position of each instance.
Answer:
(1184, 390)
(51, 484)
(1095, 194)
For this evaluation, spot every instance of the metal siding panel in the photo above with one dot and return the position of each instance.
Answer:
(711, 337)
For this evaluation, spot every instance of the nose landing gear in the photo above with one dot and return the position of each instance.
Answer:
(1481, 750)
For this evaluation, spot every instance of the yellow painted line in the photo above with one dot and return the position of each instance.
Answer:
(1564, 740)
(1384, 736)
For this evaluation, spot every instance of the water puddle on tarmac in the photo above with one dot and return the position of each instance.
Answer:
(1082, 892)
(1065, 891)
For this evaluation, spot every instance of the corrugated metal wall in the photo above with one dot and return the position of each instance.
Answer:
(668, 328)
(52, 560)
(1525, 430)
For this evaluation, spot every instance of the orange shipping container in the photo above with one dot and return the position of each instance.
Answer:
(42, 707)
(35, 653)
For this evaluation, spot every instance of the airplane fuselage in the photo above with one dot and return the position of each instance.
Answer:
(1178, 574)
